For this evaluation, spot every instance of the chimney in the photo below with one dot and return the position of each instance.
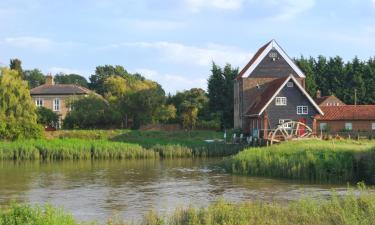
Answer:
(49, 79)
(318, 94)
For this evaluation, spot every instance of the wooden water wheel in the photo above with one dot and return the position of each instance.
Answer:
(289, 131)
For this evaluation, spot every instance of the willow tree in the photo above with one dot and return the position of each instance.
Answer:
(18, 117)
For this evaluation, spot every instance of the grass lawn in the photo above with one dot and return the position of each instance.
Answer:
(313, 160)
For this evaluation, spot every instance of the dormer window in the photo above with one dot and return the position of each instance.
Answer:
(280, 101)
(290, 84)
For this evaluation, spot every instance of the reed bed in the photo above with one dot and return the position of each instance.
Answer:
(81, 149)
(314, 160)
(349, 210)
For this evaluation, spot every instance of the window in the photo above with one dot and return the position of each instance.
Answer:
(56, 104)
(302, 110)
(348, 126)
(39, 102)
(290, 84)
(286, 126)
(280, 100)
(323, 126)
(373, 126)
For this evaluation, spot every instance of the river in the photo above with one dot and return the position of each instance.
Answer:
(97, 190)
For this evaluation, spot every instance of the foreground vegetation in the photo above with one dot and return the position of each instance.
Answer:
(349, 209)
(313, 160)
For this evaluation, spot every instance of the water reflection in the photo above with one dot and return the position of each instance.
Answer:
(100, 189)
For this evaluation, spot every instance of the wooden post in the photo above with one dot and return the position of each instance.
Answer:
(314, 128)
(265, 126)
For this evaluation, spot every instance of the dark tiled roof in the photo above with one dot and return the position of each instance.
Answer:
(252, 60)
(59, 89)
(265, 95)
(347, 112)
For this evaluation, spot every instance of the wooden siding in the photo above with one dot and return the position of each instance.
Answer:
(294, 98)
(269, 68)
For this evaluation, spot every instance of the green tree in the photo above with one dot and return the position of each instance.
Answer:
(91, 112)
(220, 93)
(17, 110)
(47, 117)
(15, 64)
(34, 77)
(306, 65)
(165, 113)
(102, 73)
(70, 79)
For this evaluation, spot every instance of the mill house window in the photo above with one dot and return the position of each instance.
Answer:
(280, 100)
(302, 110)
(39, 102)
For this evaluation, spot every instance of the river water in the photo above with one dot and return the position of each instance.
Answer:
(97, 190)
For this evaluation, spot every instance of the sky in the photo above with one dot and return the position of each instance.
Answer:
(174, 42)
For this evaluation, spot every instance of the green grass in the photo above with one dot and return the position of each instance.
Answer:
(82, 149)
(345, 210)
(71, 149)
(313, 160)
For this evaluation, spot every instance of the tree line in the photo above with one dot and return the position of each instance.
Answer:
(346, 80)
(124, 100)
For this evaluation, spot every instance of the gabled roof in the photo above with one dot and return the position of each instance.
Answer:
(59, 89)
(271, 90)
(347, 112)
(322, 99)
(263, 52)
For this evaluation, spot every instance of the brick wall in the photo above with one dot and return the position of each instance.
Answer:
(338, 126)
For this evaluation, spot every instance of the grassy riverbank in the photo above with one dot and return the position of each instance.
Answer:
(74, 149)
(348, 210)
(313, 160)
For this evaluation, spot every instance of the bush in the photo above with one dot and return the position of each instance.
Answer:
(47, 117)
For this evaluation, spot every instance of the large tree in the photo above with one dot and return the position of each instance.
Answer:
(16, 64)
(70, 79)
(102, 73)
(91, 112)
(17, 110)
(34, 77)
(220, 93)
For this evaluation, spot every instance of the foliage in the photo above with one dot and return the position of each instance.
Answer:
(348, 209)
(91, 112)
(80, 149)
(103, 72)
(70, 79)
(220, 93)
(189, 116)
(16, 64)
(34, 77)
(165, 113)
(17, 110)
(314, 160)
(334, 76)
(46, 117)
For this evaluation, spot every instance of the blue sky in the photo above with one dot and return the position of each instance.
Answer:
(175, 41)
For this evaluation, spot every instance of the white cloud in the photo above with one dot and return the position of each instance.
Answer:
(143, 24)
(291, 8)
(29, 42)
(197, 5)
(37, 44)
(172, 83)
(201, 56)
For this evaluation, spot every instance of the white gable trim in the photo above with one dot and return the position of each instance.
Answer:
(300, 87)
(270, 46)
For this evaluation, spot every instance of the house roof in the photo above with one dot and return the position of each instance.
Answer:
(259, 56)
(59, 89)
(270, 91)
(347, 112)
(320, 101)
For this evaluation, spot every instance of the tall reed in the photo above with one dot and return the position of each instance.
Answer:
(338, 210)
(314, 160)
